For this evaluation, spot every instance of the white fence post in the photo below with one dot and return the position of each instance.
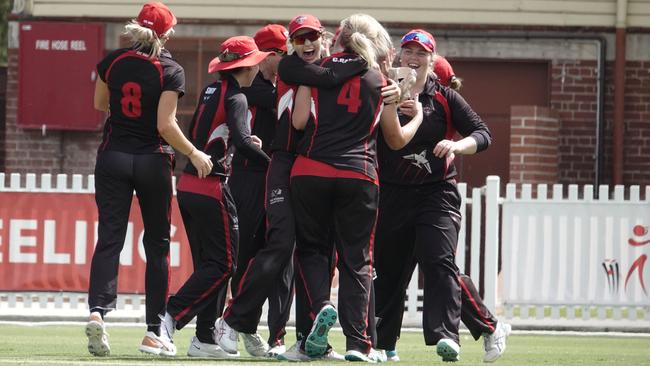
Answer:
(491, 267)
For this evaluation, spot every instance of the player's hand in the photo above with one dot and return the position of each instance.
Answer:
(445, 148)
(410, 107)
(256, 141)
(391, 92)
(201, 162)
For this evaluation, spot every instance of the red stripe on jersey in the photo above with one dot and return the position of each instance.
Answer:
(209, 186)
(314, 97)
(135, 54)
(219, 116)
(196, 121)
(449, 134)
(305, 166)
(373, 126)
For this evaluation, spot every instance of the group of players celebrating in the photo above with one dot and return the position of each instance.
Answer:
(305, 158)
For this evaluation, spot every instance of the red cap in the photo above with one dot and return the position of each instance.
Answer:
(157, 17)
(240, 51)
(421, 37)
(272, 36)
(304, 21)
(443, 69)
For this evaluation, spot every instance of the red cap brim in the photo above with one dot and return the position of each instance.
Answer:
(427, 48)
(250, 60)
(317, 29)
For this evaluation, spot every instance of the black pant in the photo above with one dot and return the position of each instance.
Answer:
(269, 272)
(418, 224)
(351, 205)
(474, 314)
(210, 220)
(117, 174)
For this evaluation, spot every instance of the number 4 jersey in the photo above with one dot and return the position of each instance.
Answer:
(343, 129)
(135, 83)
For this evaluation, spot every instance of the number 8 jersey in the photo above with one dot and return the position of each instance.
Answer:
(343, 128)
(135, 83)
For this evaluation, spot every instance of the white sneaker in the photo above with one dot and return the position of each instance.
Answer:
(316, 342)
(380, 356)
(225, 336)
(391, 355)
(200, 349)
(97, 336)
(495, 343)
(294, 354)
(449, 350)
(157, 345)
(276, 350)
(332, 355)
(255, 345)
(355, 356)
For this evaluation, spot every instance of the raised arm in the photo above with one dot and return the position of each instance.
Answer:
(294, 70)
(395, 135)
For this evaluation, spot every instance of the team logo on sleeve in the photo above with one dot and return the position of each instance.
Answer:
(419, 160)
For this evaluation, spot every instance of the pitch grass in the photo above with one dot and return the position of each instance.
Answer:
(66, 345)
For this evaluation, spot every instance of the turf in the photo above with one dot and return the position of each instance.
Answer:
(66, 345)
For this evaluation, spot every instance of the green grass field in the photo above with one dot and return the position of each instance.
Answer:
(66, 345)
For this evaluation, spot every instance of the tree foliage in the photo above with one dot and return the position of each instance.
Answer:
(5, 8)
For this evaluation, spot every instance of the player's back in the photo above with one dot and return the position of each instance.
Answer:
(342, 130)
(135, 83)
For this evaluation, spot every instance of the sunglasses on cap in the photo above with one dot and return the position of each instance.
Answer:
(232, 56)
(300, 39)
(418, 37)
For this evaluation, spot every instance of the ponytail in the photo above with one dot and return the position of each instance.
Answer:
(365, 36)
(362, 46)
(455, 83)
(145, 40)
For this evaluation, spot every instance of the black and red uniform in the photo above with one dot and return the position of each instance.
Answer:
(209, 215)
(133, 156)
(419, 219)
(473, 313)
(334, 180)
(272, 264)
(247, 183)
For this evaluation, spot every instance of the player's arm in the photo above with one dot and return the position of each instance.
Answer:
(476, 135)
(170, 131)
(395, 135)
(237, 112)
(294, 70)
(102, 96)
(301, 108)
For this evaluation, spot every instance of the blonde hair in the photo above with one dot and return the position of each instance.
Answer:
(145, 40)
(455, 83)
(365, 36)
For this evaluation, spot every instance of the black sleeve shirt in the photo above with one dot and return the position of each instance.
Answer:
(135, 83)
(445, 112)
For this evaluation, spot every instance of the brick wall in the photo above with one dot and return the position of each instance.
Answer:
(574, 98)
(29, 151)
(534, 137)
(636, 154)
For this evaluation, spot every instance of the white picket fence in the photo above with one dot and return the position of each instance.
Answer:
(539, 277)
